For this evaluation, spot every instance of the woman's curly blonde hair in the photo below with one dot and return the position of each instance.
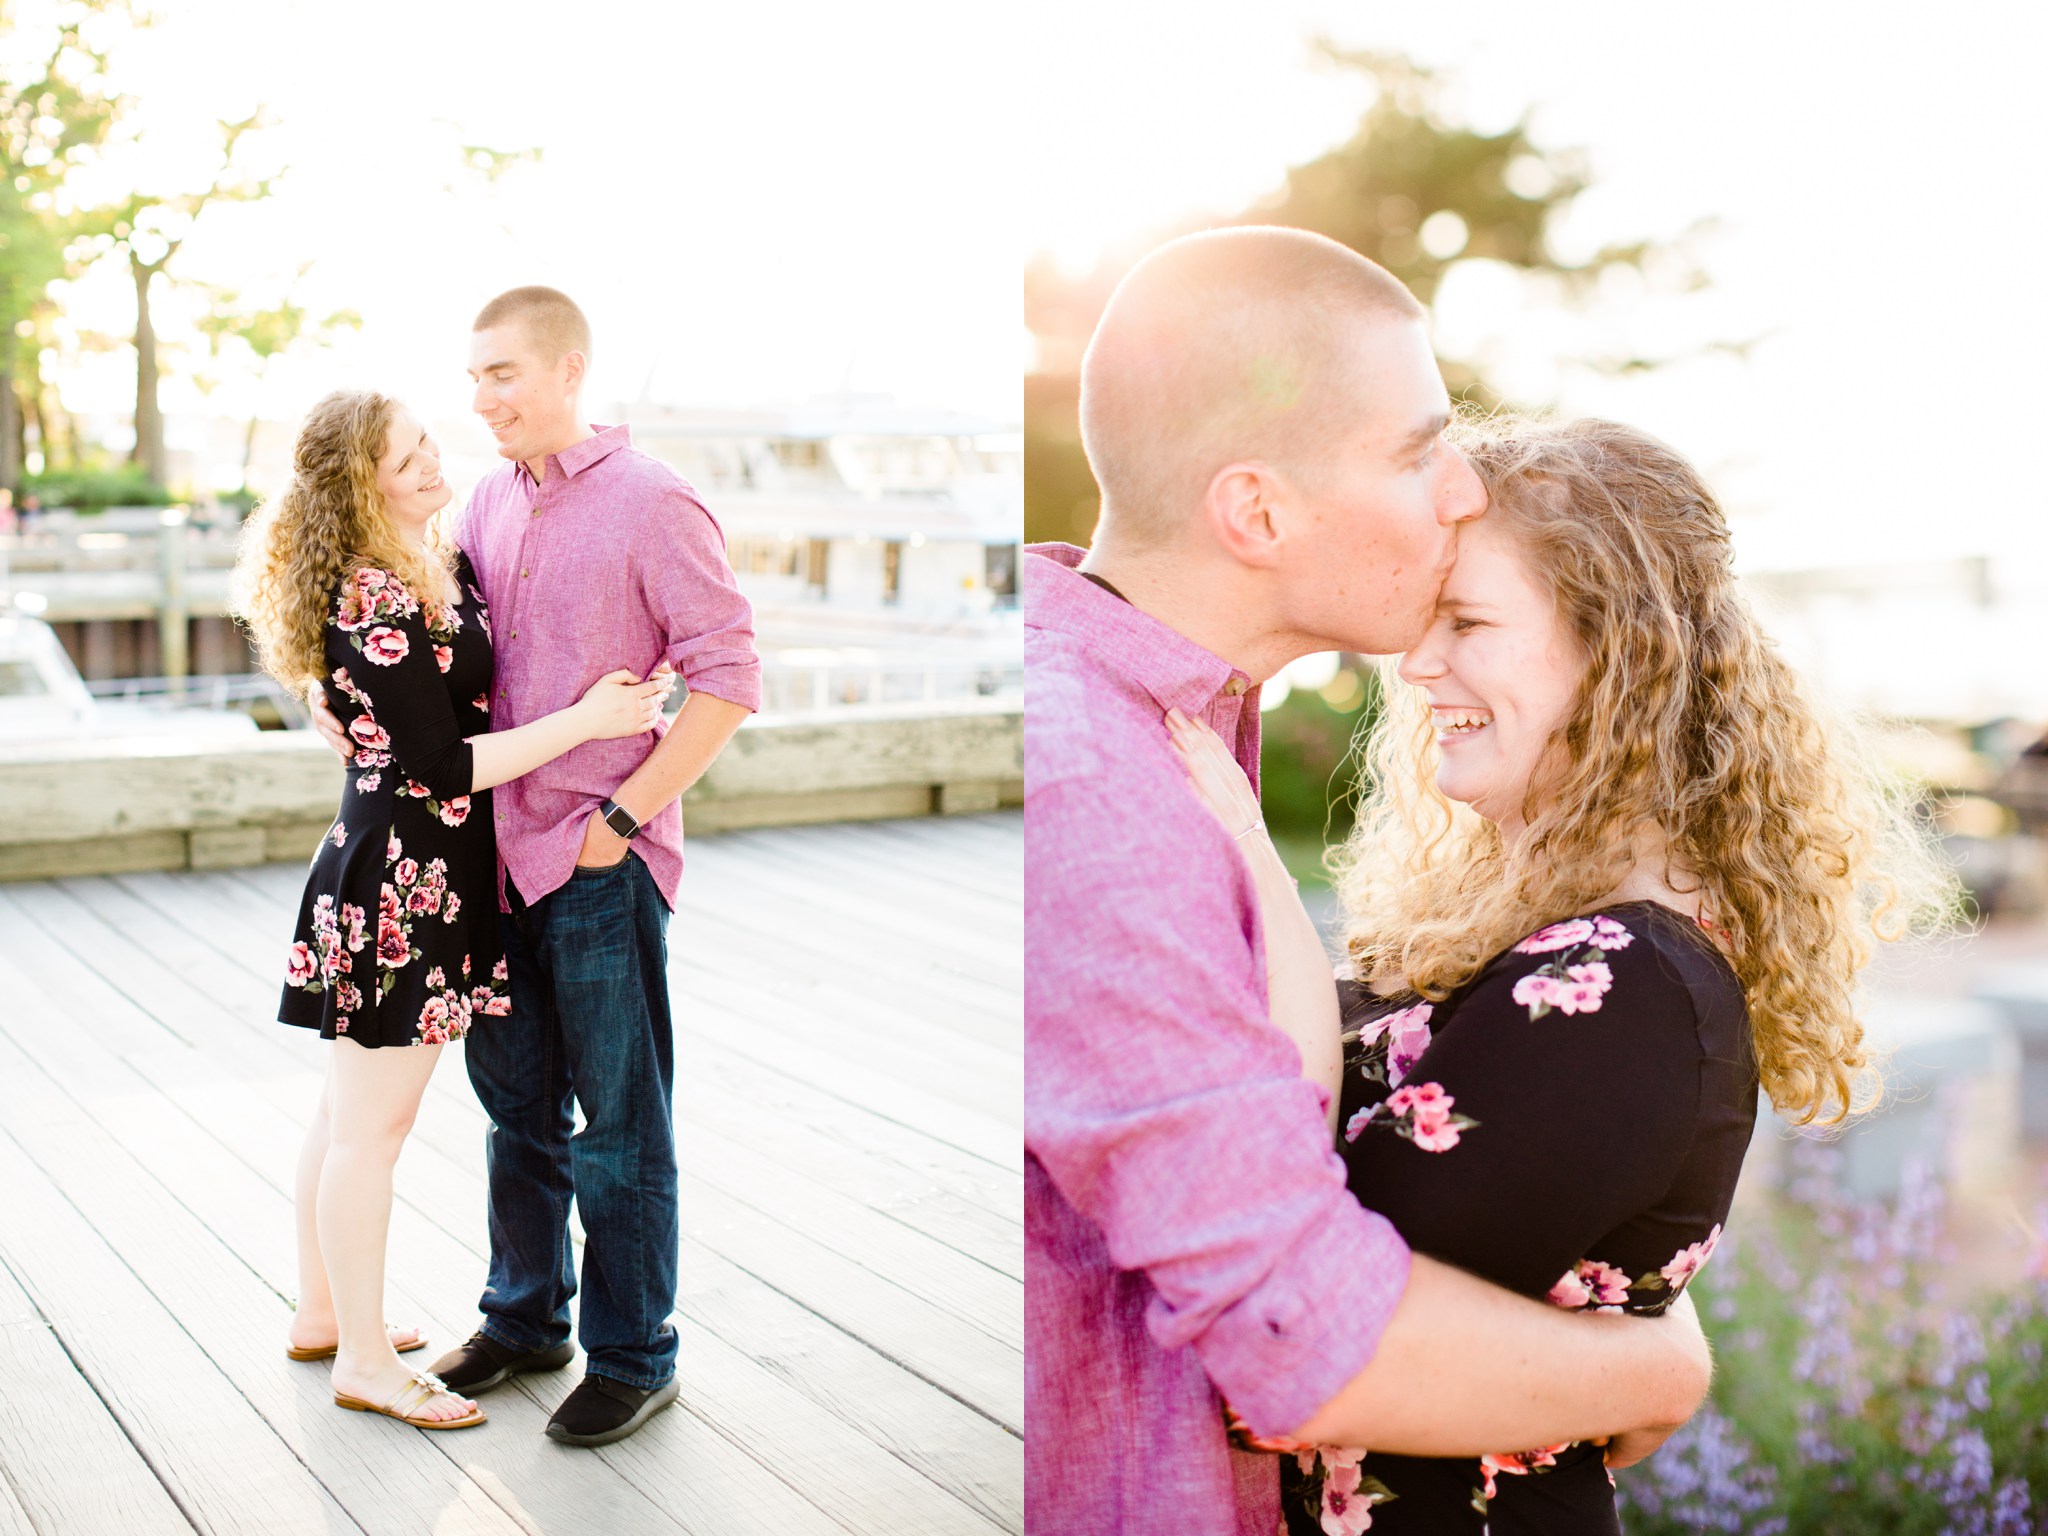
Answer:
(1687, 724)
(329, 521)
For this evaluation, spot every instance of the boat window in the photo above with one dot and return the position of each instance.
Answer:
(20, 679)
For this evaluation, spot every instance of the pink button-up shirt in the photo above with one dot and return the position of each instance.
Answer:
(611, 561)
(1187, 1227)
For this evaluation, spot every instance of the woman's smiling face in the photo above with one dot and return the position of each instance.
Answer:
(1501, 673)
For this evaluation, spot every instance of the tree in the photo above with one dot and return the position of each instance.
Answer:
(1411, 188)
(52, 118)
(149, 228)
(267, 333)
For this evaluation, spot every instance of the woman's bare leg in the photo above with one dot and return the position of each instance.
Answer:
(313, 1325)
(373, 1098)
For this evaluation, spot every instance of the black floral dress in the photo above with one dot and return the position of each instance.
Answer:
(397, 942)
(1570, 1125)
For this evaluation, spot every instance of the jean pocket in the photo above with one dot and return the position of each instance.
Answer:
(599, 871)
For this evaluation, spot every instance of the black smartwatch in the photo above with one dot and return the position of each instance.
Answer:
(618, 818)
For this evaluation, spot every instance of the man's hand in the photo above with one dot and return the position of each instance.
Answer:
(602, 847)
(1631, 1446)
(328, 724)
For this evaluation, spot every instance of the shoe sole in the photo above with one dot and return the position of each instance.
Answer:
(660, 1399)
(548, 1360)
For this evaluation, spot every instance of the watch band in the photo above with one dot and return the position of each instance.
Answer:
(618, 818)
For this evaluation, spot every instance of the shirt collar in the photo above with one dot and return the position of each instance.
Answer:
(1175, 671)
(579, 456)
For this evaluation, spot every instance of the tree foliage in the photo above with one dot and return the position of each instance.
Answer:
(1413, 188)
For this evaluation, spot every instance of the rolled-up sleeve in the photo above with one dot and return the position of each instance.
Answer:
(1168, 1111)
(690, 589)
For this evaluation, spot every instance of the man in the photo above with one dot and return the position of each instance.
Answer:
(1265, 420)
(592, 556)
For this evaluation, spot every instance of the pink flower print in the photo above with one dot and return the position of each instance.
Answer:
(1584, 987)
(454, 907)
(352, 915)
(347, 685)
(1606, 1284)
(1521, 1463)
(347, 995)
(299, 965)
(1407, 1038)
(435, 1036)
(1435, 1135)
(1689, 1259)
(499, 1006)
(1355, 1126)
(1557, 936)
(1345, 1511)
(1430, 1126)
(465, 967)
(1608, 934)
(455, 812)
(1536, 990)
(388, 909)
(437, 979)
(386, 646)
(409, 872)
(424, 899)
(368, 733)
(341, 1024)
(370, 581)
(1416, 1095)
(481, 703)
(392, 948)
(369, 782)
(434, 1018)
(444, 657)
(499, 971)
(393, 850)
(339, 835)
(416, 790)
(458, 1014)
(1570, 1292)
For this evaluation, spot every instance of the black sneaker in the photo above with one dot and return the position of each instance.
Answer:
(602, 1410)
(484, 1363)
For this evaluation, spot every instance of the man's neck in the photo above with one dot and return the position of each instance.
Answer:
(1217, 615)
(538, 465)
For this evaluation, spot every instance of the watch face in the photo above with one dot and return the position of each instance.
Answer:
(621, 821)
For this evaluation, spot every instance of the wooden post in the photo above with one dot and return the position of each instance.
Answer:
(173, 621)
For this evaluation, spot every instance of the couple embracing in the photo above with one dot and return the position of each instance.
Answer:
(1407, 1252)
(505, 858)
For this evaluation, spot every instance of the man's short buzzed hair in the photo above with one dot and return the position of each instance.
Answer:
(1233, 344)
(551, 318)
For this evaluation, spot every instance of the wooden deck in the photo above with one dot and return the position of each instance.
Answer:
(849, 1016)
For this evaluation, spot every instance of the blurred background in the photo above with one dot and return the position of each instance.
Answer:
(1800, 252)
(801, 297)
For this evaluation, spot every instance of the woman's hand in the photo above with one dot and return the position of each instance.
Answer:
(619, 704)
(1218, 782)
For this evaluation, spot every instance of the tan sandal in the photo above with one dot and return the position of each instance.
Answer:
(293, 1352)
(413, 1396)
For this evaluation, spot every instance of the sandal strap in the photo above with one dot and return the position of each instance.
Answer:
(424, 1387)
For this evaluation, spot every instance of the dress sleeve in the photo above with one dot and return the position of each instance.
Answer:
(1167, 1110)
(398, 679)
(694, 597)
(1558, 1100)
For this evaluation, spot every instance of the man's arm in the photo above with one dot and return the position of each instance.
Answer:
(1464, 1368)
(703, 726)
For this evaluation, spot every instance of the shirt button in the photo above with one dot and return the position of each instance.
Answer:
(524, 574)
(1235, 686)
(515, 634)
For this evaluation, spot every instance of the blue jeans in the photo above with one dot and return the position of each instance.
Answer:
(589, 1018)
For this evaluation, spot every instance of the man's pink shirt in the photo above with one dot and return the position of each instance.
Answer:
(610, 561)
(1188, 1232)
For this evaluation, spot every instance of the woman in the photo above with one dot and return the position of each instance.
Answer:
(344, 578)
(1612, 872)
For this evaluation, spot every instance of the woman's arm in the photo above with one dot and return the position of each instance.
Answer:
(617, 704)
(1301, 996)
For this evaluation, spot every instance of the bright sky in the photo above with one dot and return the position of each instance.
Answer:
(756, 202)
(1878, 223)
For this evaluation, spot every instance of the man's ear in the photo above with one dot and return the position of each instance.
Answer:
(1244, 508)
(574, 364)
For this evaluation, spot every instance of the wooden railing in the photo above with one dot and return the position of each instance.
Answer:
(105, 807)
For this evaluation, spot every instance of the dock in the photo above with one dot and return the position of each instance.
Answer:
(848, 1003)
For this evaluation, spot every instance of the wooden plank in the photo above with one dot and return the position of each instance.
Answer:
(66, 1467)
(953, 1355)
(964, 1451)
(215, 1454)
(922, 1266)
